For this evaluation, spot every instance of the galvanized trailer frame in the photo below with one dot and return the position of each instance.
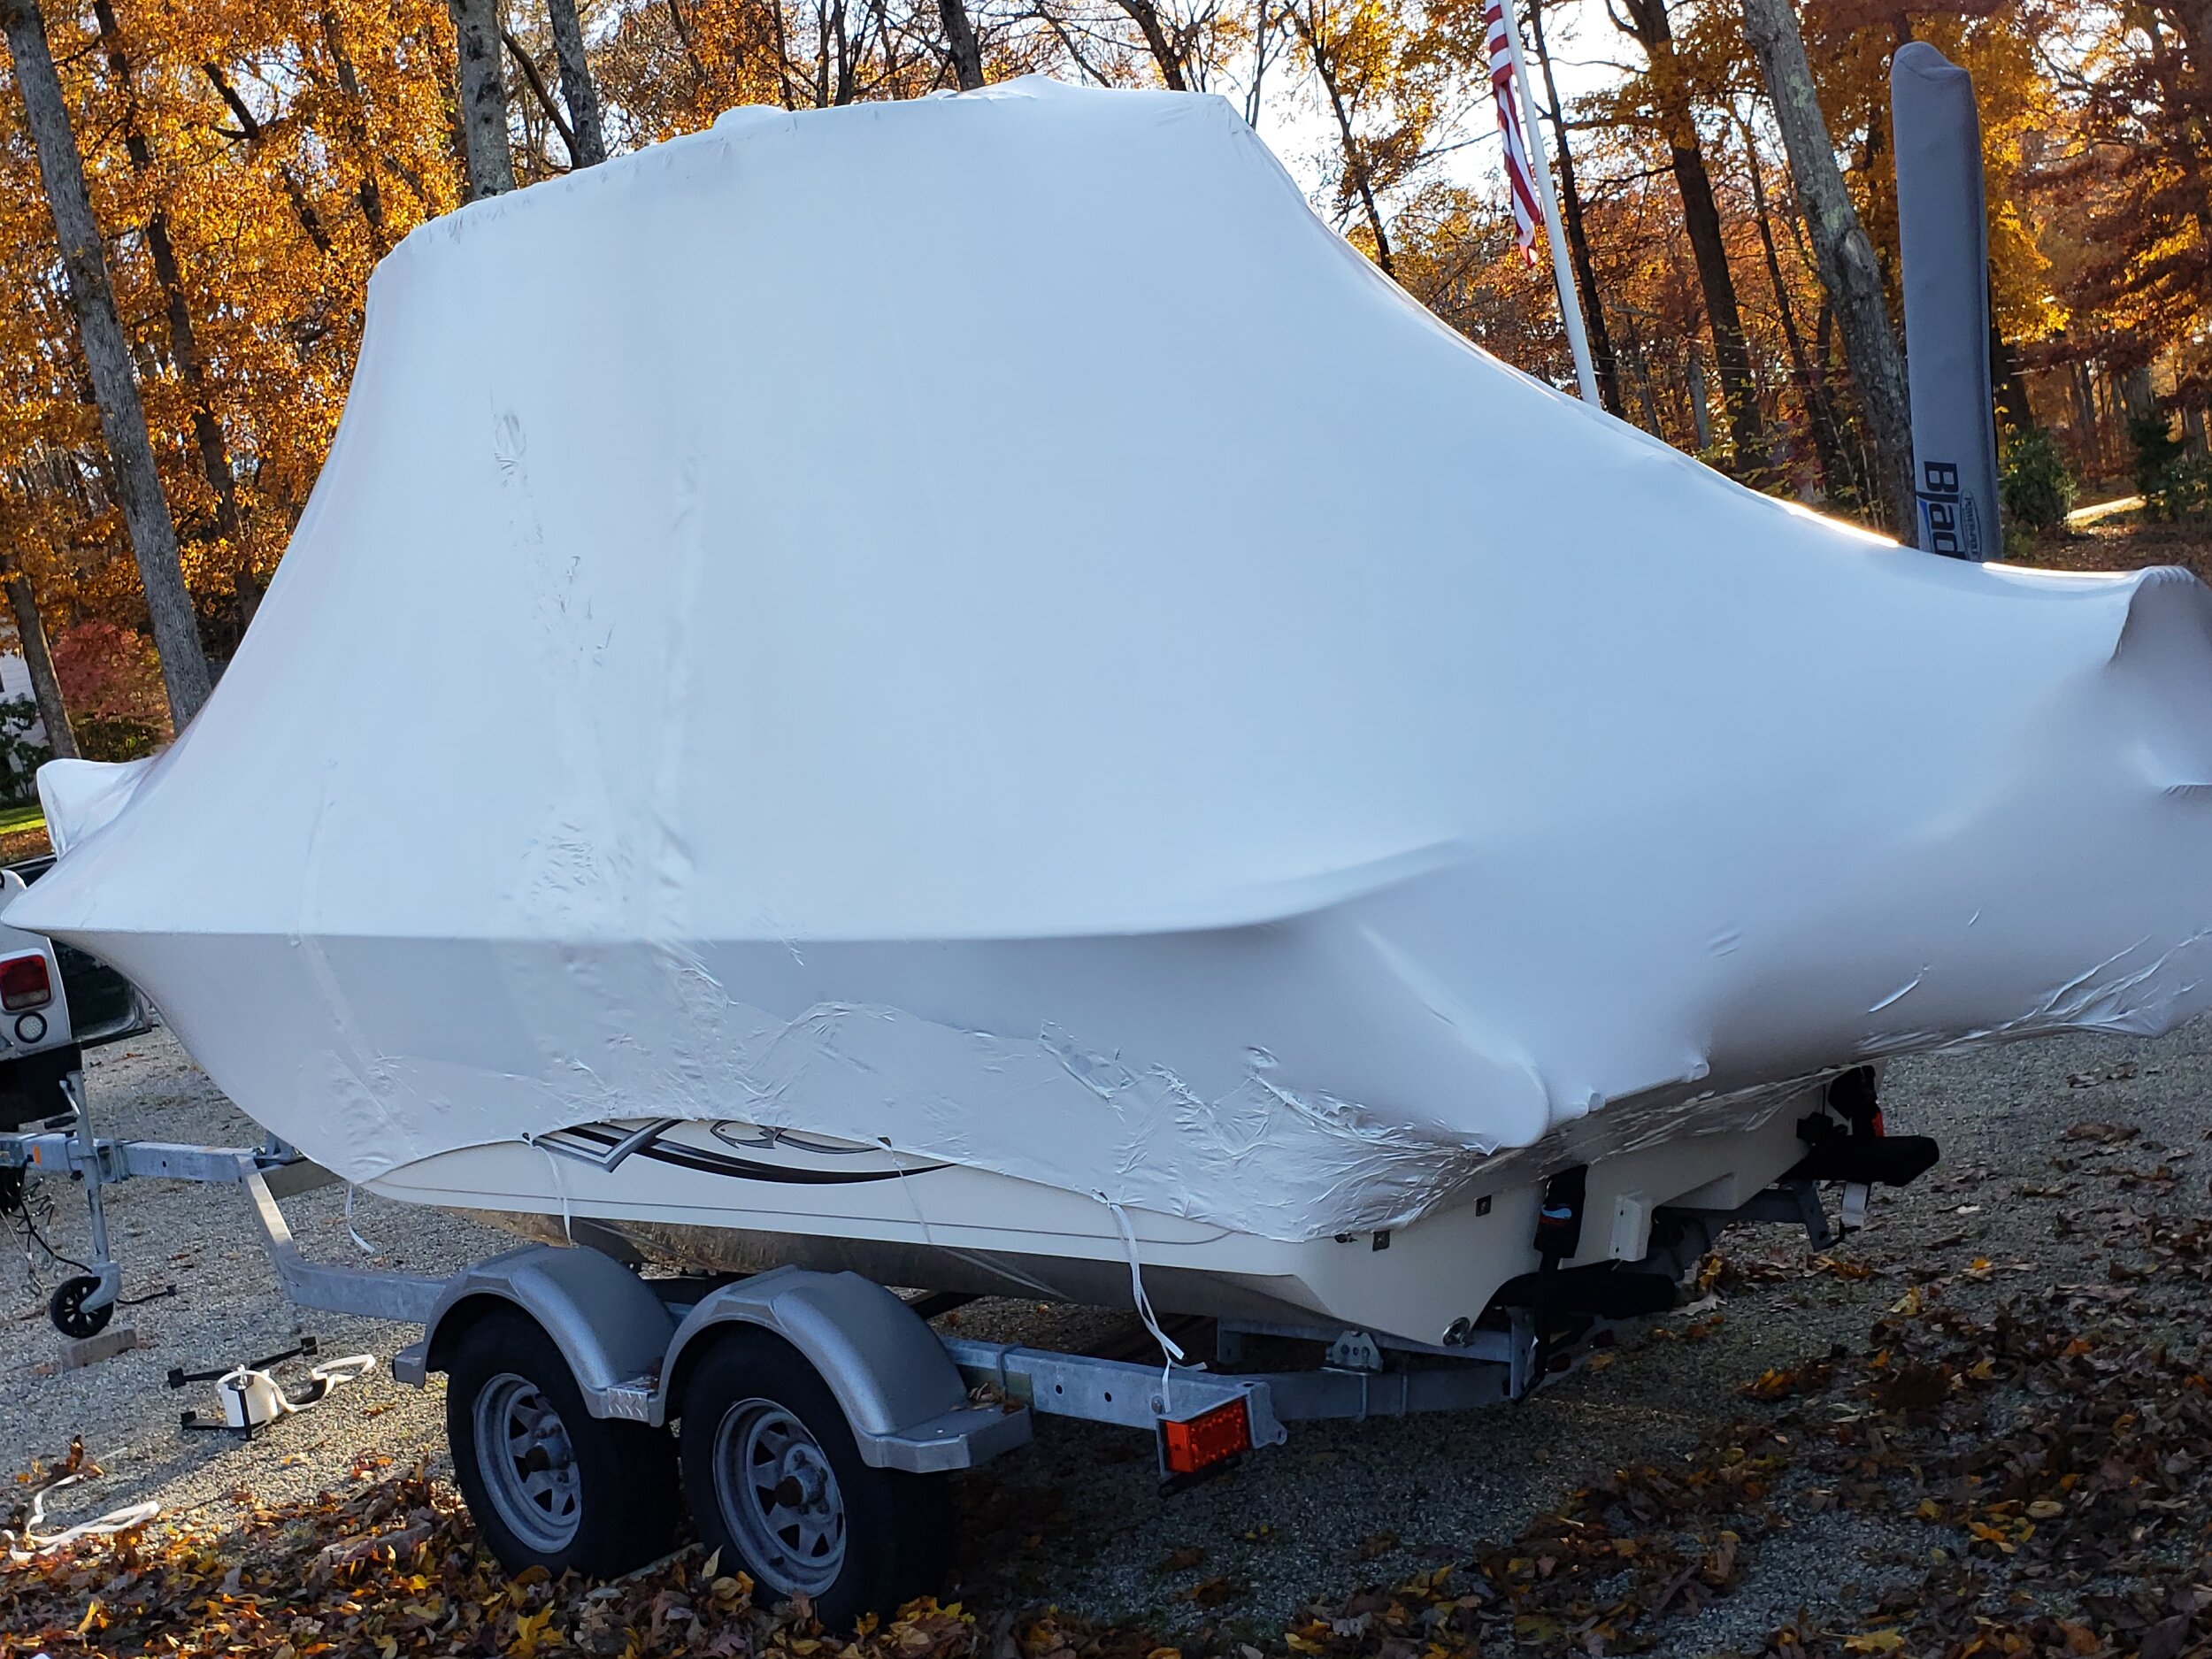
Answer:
(915, 1404)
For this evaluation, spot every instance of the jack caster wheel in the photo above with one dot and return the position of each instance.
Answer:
(66, 1307)
(551, 1485)
(776, 1483)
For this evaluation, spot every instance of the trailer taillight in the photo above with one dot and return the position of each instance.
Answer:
(25, 983)
(1209, 1437)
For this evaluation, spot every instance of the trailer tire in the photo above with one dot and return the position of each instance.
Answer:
(67, 1310)
(551, 1485)
(852, 1539)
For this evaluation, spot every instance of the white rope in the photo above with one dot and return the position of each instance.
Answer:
(366, 1248)
(912, 1202)
(1170, 1350)
(35, 1543)
(560, 1187)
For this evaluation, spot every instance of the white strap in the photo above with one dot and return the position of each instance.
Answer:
(366, 1248)
(1171, 1349)
(568, 1221)
(35, 1543)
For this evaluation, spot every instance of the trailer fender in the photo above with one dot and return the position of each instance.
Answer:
(609, 1327)
(899, 1390)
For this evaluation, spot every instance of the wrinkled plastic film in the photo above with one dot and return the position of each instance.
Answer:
(1070, 765)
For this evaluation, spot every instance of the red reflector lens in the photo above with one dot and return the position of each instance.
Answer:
(23, 983)
(1207, 1439)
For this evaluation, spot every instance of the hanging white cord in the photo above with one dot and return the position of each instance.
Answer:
(1170, 1350)
(912, 1202)
(568, 1221)
(366, 1248)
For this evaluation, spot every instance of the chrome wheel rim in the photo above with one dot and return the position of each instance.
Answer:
(528, 1465)
(781, 1498)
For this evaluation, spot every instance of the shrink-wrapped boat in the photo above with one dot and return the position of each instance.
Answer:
(962, 688)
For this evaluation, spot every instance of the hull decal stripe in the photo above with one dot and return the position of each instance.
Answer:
(603, 1141)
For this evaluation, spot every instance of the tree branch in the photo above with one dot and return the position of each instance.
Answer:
(538, 89)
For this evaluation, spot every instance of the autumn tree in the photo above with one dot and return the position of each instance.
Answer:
(1847, 259)
(136, 480)
(250, 169)
(1590, 296)
(1666, 94)
(1380, 78)
(30, 634)
(250, 165)
(2124, 175)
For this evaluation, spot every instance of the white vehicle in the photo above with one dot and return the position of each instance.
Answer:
(38, 1044)
(55, 1001)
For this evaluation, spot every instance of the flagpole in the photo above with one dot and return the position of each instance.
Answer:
(1539, 164)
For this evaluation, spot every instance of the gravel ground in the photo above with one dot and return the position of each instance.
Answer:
(226, 1308)
(1077, 1520)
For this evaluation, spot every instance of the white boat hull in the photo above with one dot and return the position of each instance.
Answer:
(729, 1197)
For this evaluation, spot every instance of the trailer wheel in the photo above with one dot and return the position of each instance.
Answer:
(66, 1307)
(551, 1485)
(775, 1482)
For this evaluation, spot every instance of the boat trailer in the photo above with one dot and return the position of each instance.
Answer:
(818, 1410)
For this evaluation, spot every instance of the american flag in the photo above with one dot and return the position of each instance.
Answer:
(1519, 179)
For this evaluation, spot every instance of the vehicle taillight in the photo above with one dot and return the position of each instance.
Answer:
(1207, 1439)
(25, 983)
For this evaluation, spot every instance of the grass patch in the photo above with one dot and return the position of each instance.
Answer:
(29, 816)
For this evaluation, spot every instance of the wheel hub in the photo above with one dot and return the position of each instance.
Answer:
(781, 1498)
(528, 1463)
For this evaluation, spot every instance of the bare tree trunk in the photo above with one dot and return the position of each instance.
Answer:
(30, 630)
(1700, 405)
(967, 56)
(2088, 432)
(2004, 375)
(135, 479)
(1841, 249)
(1262, 32)
(184, 352)
(2136, 394)
(491, 170)
(1819, 419)
(1608, 372)
(1850, 435)
(1654, 31)
(1145, 16)
(578, 90)
(1355, 154)
(1641, 367)
(543, 93)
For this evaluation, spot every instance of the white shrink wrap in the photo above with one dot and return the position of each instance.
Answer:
(980, 626)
